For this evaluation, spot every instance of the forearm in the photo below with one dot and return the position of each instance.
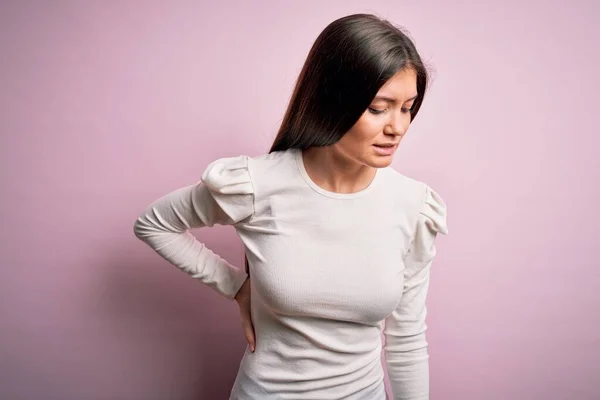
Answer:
(164, 226)
(409, 373)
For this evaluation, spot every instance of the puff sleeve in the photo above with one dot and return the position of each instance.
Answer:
(224, 195)
(405, 346)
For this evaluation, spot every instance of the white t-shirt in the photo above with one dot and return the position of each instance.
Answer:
(329, 271)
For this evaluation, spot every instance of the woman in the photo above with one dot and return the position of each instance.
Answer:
(339, 245)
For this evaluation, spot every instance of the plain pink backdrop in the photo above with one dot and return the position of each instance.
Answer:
(107, 105)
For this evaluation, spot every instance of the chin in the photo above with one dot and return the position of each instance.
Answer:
(379, 162)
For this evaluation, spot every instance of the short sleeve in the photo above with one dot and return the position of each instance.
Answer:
(405, 342)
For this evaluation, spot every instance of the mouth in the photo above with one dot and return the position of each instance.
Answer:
(385, 149)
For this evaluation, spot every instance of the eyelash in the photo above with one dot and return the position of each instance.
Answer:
(378, 112)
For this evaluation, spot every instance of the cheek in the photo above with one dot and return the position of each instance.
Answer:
(366, 129)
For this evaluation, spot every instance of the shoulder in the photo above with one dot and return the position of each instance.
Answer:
(426, 204)
(273, 171)
(272, 162)
(238, 174)
(228, 175)
(405, 187)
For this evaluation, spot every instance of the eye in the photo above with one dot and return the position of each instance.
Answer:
(375, 111)
(406, 110)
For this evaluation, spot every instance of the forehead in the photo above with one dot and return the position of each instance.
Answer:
(403, 85)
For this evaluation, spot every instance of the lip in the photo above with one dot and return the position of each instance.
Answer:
(386, 149)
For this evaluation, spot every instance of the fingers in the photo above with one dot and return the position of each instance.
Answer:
(243, 299)
(249, 333)
(244, 293)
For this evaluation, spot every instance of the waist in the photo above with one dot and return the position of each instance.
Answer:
(300, 377)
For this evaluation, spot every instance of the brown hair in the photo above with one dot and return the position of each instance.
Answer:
(347, 65)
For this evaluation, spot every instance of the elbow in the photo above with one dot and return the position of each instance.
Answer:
(137, 228)
(407, 346)
(140, 227)
(407, 358)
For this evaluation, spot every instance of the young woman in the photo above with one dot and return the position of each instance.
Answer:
(339, 245)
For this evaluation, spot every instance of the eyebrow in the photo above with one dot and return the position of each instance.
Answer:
(392, 100)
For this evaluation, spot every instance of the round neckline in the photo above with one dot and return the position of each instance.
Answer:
(324, 192)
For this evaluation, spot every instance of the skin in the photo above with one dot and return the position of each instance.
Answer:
(350, 164)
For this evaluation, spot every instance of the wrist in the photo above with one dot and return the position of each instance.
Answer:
(239, 295)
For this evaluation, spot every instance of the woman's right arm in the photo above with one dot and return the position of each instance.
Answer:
(223, 196)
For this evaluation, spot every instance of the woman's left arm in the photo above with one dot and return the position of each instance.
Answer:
(405, 345)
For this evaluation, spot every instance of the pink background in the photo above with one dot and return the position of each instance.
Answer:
(107, 105)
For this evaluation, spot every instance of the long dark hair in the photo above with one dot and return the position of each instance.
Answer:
(347, 65)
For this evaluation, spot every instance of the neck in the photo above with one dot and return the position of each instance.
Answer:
(335, 172)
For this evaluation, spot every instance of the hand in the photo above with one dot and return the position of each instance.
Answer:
(243, 299)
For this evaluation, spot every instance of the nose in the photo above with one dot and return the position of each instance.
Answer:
(397, 124)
